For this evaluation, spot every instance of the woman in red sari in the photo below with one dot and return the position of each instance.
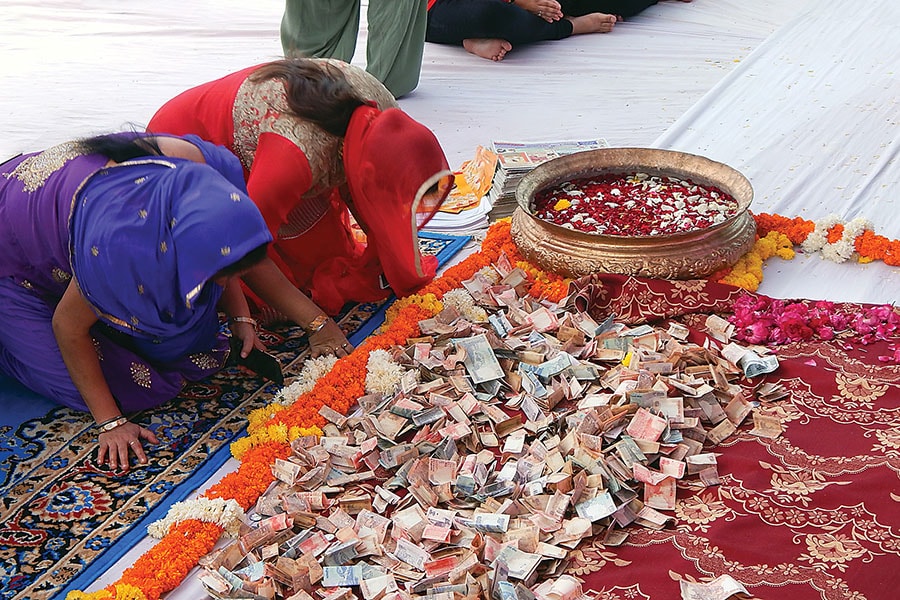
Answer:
(319, 139)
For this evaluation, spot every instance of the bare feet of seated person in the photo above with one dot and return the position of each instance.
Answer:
(593, 23)
(491, 49)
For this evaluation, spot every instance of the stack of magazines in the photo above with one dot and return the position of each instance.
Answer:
(515, 159)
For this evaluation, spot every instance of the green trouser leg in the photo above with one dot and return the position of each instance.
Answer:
(330, 28)
(396, 42)
(320, 28)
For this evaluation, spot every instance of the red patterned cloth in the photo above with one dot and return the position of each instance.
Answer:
(644, 300)
(814, 514)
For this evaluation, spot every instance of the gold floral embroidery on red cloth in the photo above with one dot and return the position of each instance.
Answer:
(888, 441)
(711, 561)
(837, 408)
(632, 592)
(838, 360)
(699, 511)
(693, 289)
(591, 556)
(858, 391)
(789, 484)
(641, 300)
(828, 550)
(776, 510)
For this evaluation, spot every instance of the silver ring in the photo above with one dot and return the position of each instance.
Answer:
(540, 13)
(131, 443)
(344, 345)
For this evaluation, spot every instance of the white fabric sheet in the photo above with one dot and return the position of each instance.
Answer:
(810, 116)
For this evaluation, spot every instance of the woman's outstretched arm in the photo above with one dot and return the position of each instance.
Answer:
(72, 321)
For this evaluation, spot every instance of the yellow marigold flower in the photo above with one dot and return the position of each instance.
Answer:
(125, 591)
(562, 204)
(239, 447)
(98, 595)
(260, 416)
(428, 301)
(278, 433)
(297, 432)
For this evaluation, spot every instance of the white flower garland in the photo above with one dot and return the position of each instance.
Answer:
(382, 373)
(462, 301)
(844, 248)
(227, 514)
(818, 237)
(313, 370)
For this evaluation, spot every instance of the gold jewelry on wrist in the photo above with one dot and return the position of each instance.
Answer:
(316, 324)
(248, 320)
(111, 424)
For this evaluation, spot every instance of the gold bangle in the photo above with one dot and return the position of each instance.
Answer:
(248, 320)
(316, 324)
(111, 424)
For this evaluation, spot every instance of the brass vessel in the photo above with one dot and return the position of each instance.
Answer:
(685, 255)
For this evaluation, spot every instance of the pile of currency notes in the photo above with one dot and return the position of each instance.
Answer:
(507, 443)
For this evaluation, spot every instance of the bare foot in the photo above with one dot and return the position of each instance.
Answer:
(490, 49)
(593, 23)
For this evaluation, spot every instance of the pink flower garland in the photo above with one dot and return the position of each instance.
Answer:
(769, 321)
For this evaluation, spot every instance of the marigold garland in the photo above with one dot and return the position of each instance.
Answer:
(271, 428)
(747, 271)
(835, 240)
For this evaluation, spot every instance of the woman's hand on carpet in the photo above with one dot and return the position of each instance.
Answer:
(245, 330)
(116, 444)
(329, 340)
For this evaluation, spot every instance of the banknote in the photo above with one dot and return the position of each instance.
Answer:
(646, 426)
(342, 576)
(490, 522)
(766, 426)
(754, 365)
(596, 508)
(720, 588)
(480, 362)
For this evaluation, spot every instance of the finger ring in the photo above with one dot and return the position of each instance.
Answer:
(540, 13)
(131, 443)
(344, 345)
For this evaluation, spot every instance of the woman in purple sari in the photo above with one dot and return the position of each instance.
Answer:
(116, 254)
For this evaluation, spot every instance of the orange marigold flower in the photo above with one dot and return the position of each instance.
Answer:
(835, 233)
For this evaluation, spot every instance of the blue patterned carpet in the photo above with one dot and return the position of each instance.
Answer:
(64, 519)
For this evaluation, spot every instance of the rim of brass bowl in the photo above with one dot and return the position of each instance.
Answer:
(653, 161)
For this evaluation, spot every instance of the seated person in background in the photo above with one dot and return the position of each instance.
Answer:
(116, 253)
(329, 29)
(320, 138)
(491, 28)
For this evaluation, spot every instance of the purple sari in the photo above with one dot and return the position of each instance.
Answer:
(143, 239)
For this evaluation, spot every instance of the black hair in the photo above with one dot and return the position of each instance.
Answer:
(120, 147)
(317, 92)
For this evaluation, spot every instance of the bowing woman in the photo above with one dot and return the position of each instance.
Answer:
(319, 138)
(116, 253)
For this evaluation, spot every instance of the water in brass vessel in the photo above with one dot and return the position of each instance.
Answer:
(686, 255)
